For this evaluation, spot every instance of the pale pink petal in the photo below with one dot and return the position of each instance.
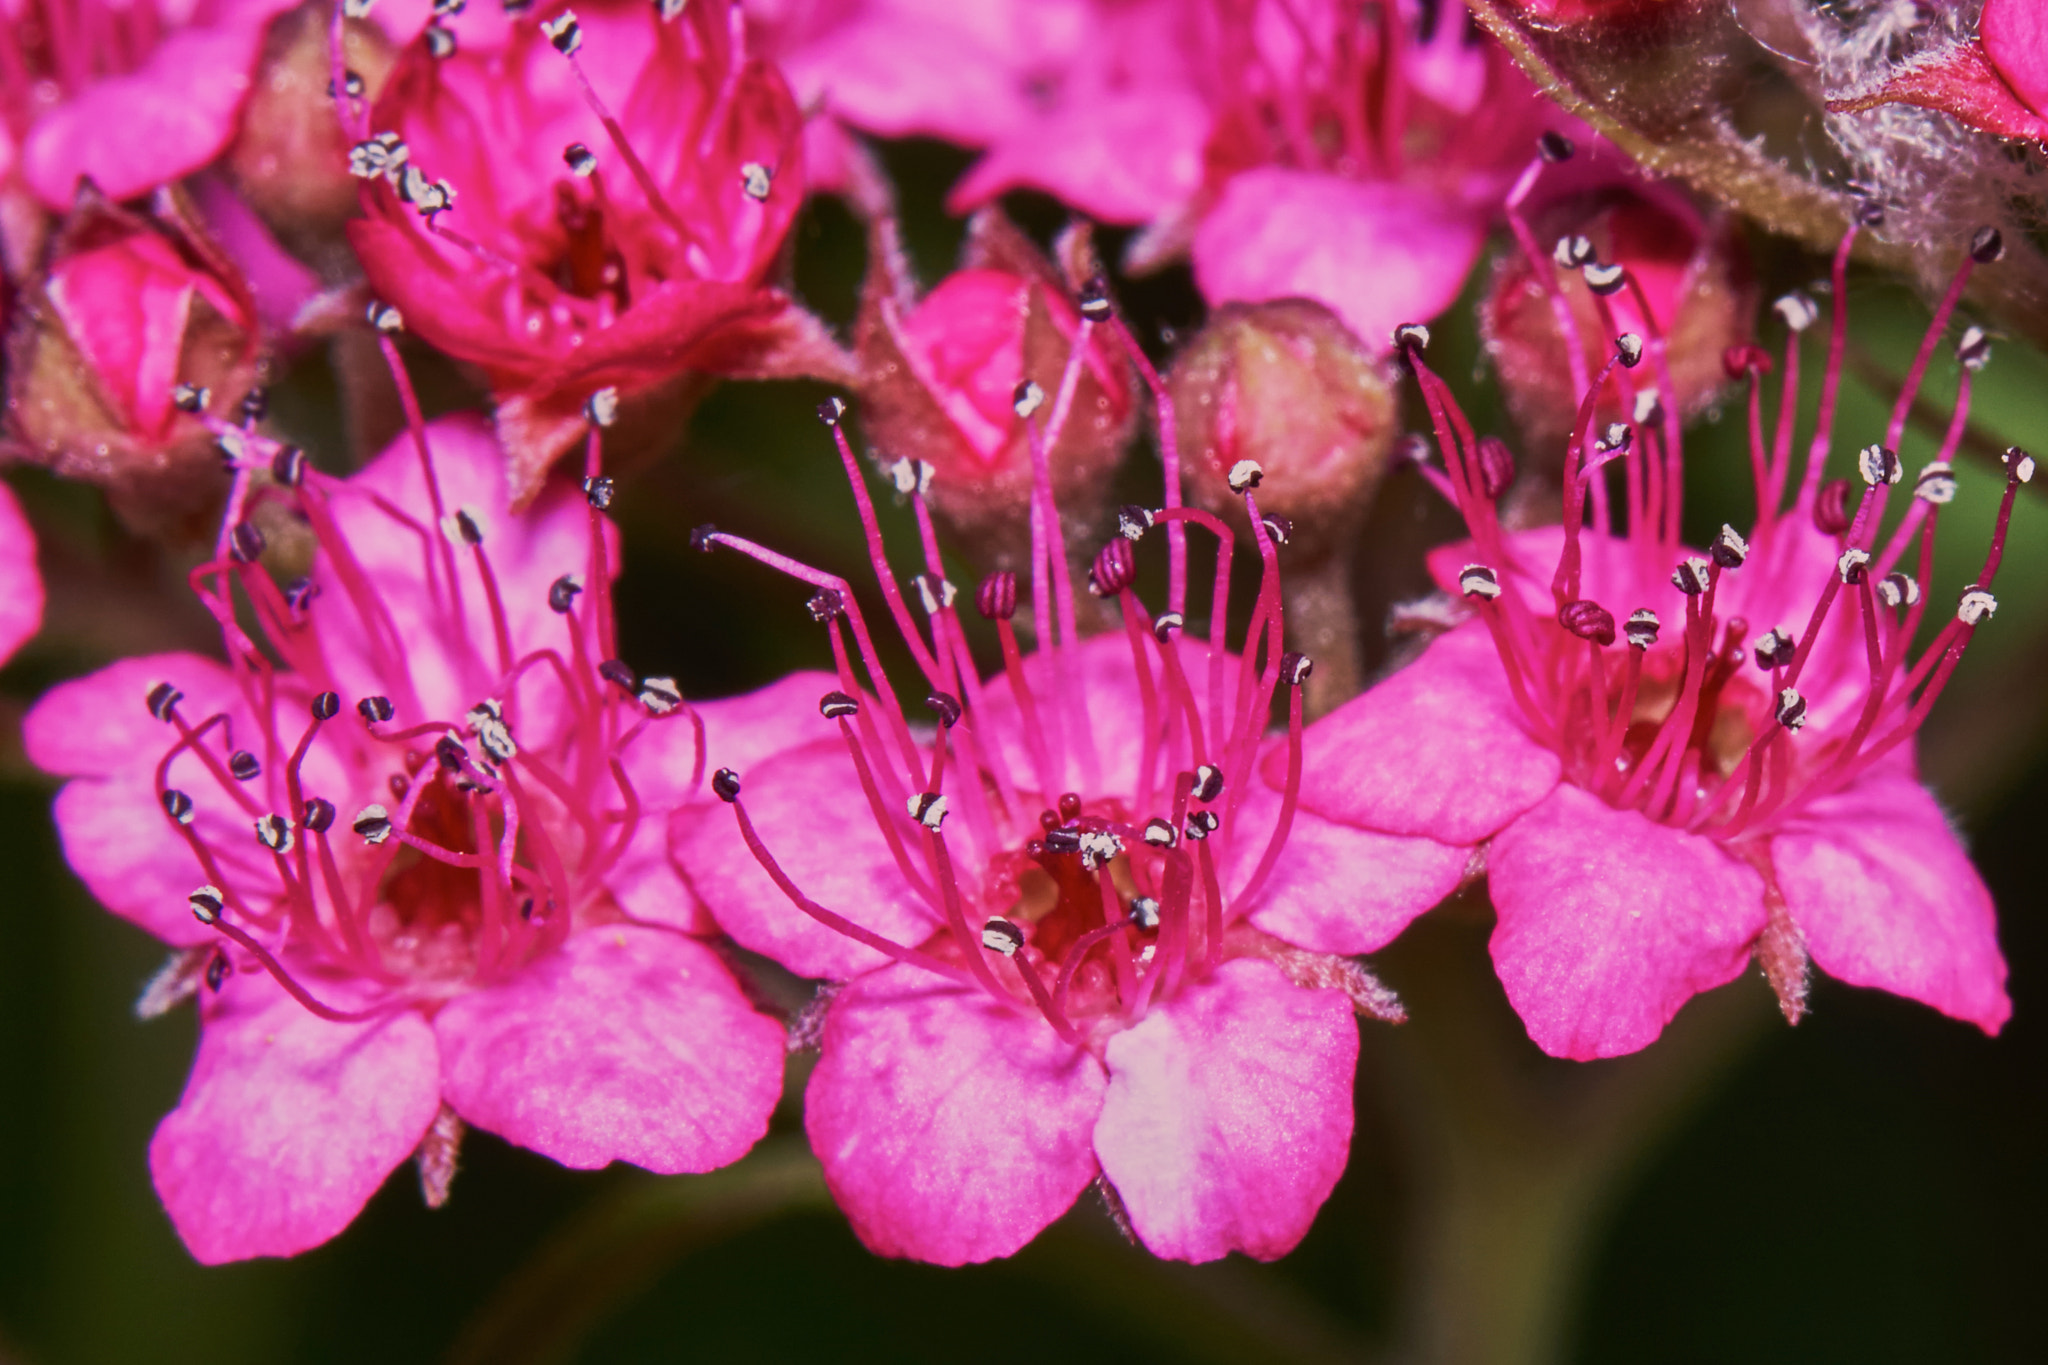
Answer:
(1885, 896)
(1609, 923)
(629, 1044)
(950, 1128)
(1438, 749)
(2015, 35)
(21, 586)
(1083, 157)
(1377, 253)
(1337, 888)
(1103, 686)
(120, 843)
(101, 724)
(131, 133)
(289, 1123)
(810, 811)
(126, 306)
(279, 281)
(1228, 1117)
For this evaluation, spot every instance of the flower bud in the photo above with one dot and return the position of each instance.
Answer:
(944, 379)
(133, 325)
(1286, 386)
(1692, 271)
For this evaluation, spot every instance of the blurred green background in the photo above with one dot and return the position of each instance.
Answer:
(1868, 1187)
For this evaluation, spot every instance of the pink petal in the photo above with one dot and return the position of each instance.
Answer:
(1104, 687)
(21, 586)
(1338, 888)
(289, 1123)
(126, 306)
(1083, 157)
(125, 849)
(1228, 1117)
(1377, 253)
(281, 284)
(809, 809)
(1437, 750)
(1609, 923)
(628, 1044)
(951, 1129)
(1885, 896)
(2015, 36)
(1967, 82)
(132, 133)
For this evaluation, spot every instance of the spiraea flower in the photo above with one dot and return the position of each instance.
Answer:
(1676, 759)
(946, 379)
(596, 202)
(1062, 912)
(21, 584)
(134, 334)
(129, 96)
(409, 840)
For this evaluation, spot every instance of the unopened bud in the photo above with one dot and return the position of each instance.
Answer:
(1496, 466)
(1831, 511)
(996, 598)
(1587, 620)
(1115, 568)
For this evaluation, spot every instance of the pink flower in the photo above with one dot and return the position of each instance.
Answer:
(1066, 921)
(419, 866)
(1669, 771)
(129, 96)
(597, 201)
(21, 586)
(1996, 82)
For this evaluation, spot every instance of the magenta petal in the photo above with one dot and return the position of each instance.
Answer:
(1094, 170)
(1885, 896)
(951, 1129)
(21, 586)
(100, 724)
(629, 1044)
(810, 811)
(1377, 253)
(2015, 36)
(289, 1123)
(1337, 888)
(1228, 1117)
(1609, 923)
(1438, 749)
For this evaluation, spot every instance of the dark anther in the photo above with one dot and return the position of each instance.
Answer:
(1615, 436)
(1202, 824)
(1245, 475)
(1641, 628)
(1987, 244)
(373, 823)
(563, 32)
(996, 598)
(1476, 580)
(1878, 465)
(1791, 708)
(244, 766)
(1588, 620)
(177, 805)
(288, 466)
(1852, 564)
(1095, 299)
(440, 41)
(1691, 576)
(929, 810)
(1001, 936)
(326, 706)
(1133, 521)
(1027, 397)
(375, 710)
(245, 543)
(1604, 279)
(1572, 252)
(1831, 508)
(1628, 348)
(1869, 214)
(274, 832)
(1115, 568)
(725, 784)
(831, 410)
(255, 405)
(1167, 624)
(935, 594)
(825, 604)
(1411, 334)
(1144, 913)
(466, 526)
(1280, 528)
(1729, 548)
(190, 397)
(1740, 362)
(1496, 466)
(1973, 350)
(1975, 607)
(1797, 311)
(1412, 447)
(526, 908)
(1295, 668)
(619, 674)
(660, 695)
(162, 699)
(1897, 590)
(450, 754)
(834, 705)
(579, 159)
(562, 593)
(947, 706)
(206, 904)
(1063, 841)
(299, 593)
(217, 972)
(1773, 649)
(703, 539)
(318, 817)
(1553, 146)
(600, 491)
(1159, 832)
(2019, 464)
(1208, 783)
